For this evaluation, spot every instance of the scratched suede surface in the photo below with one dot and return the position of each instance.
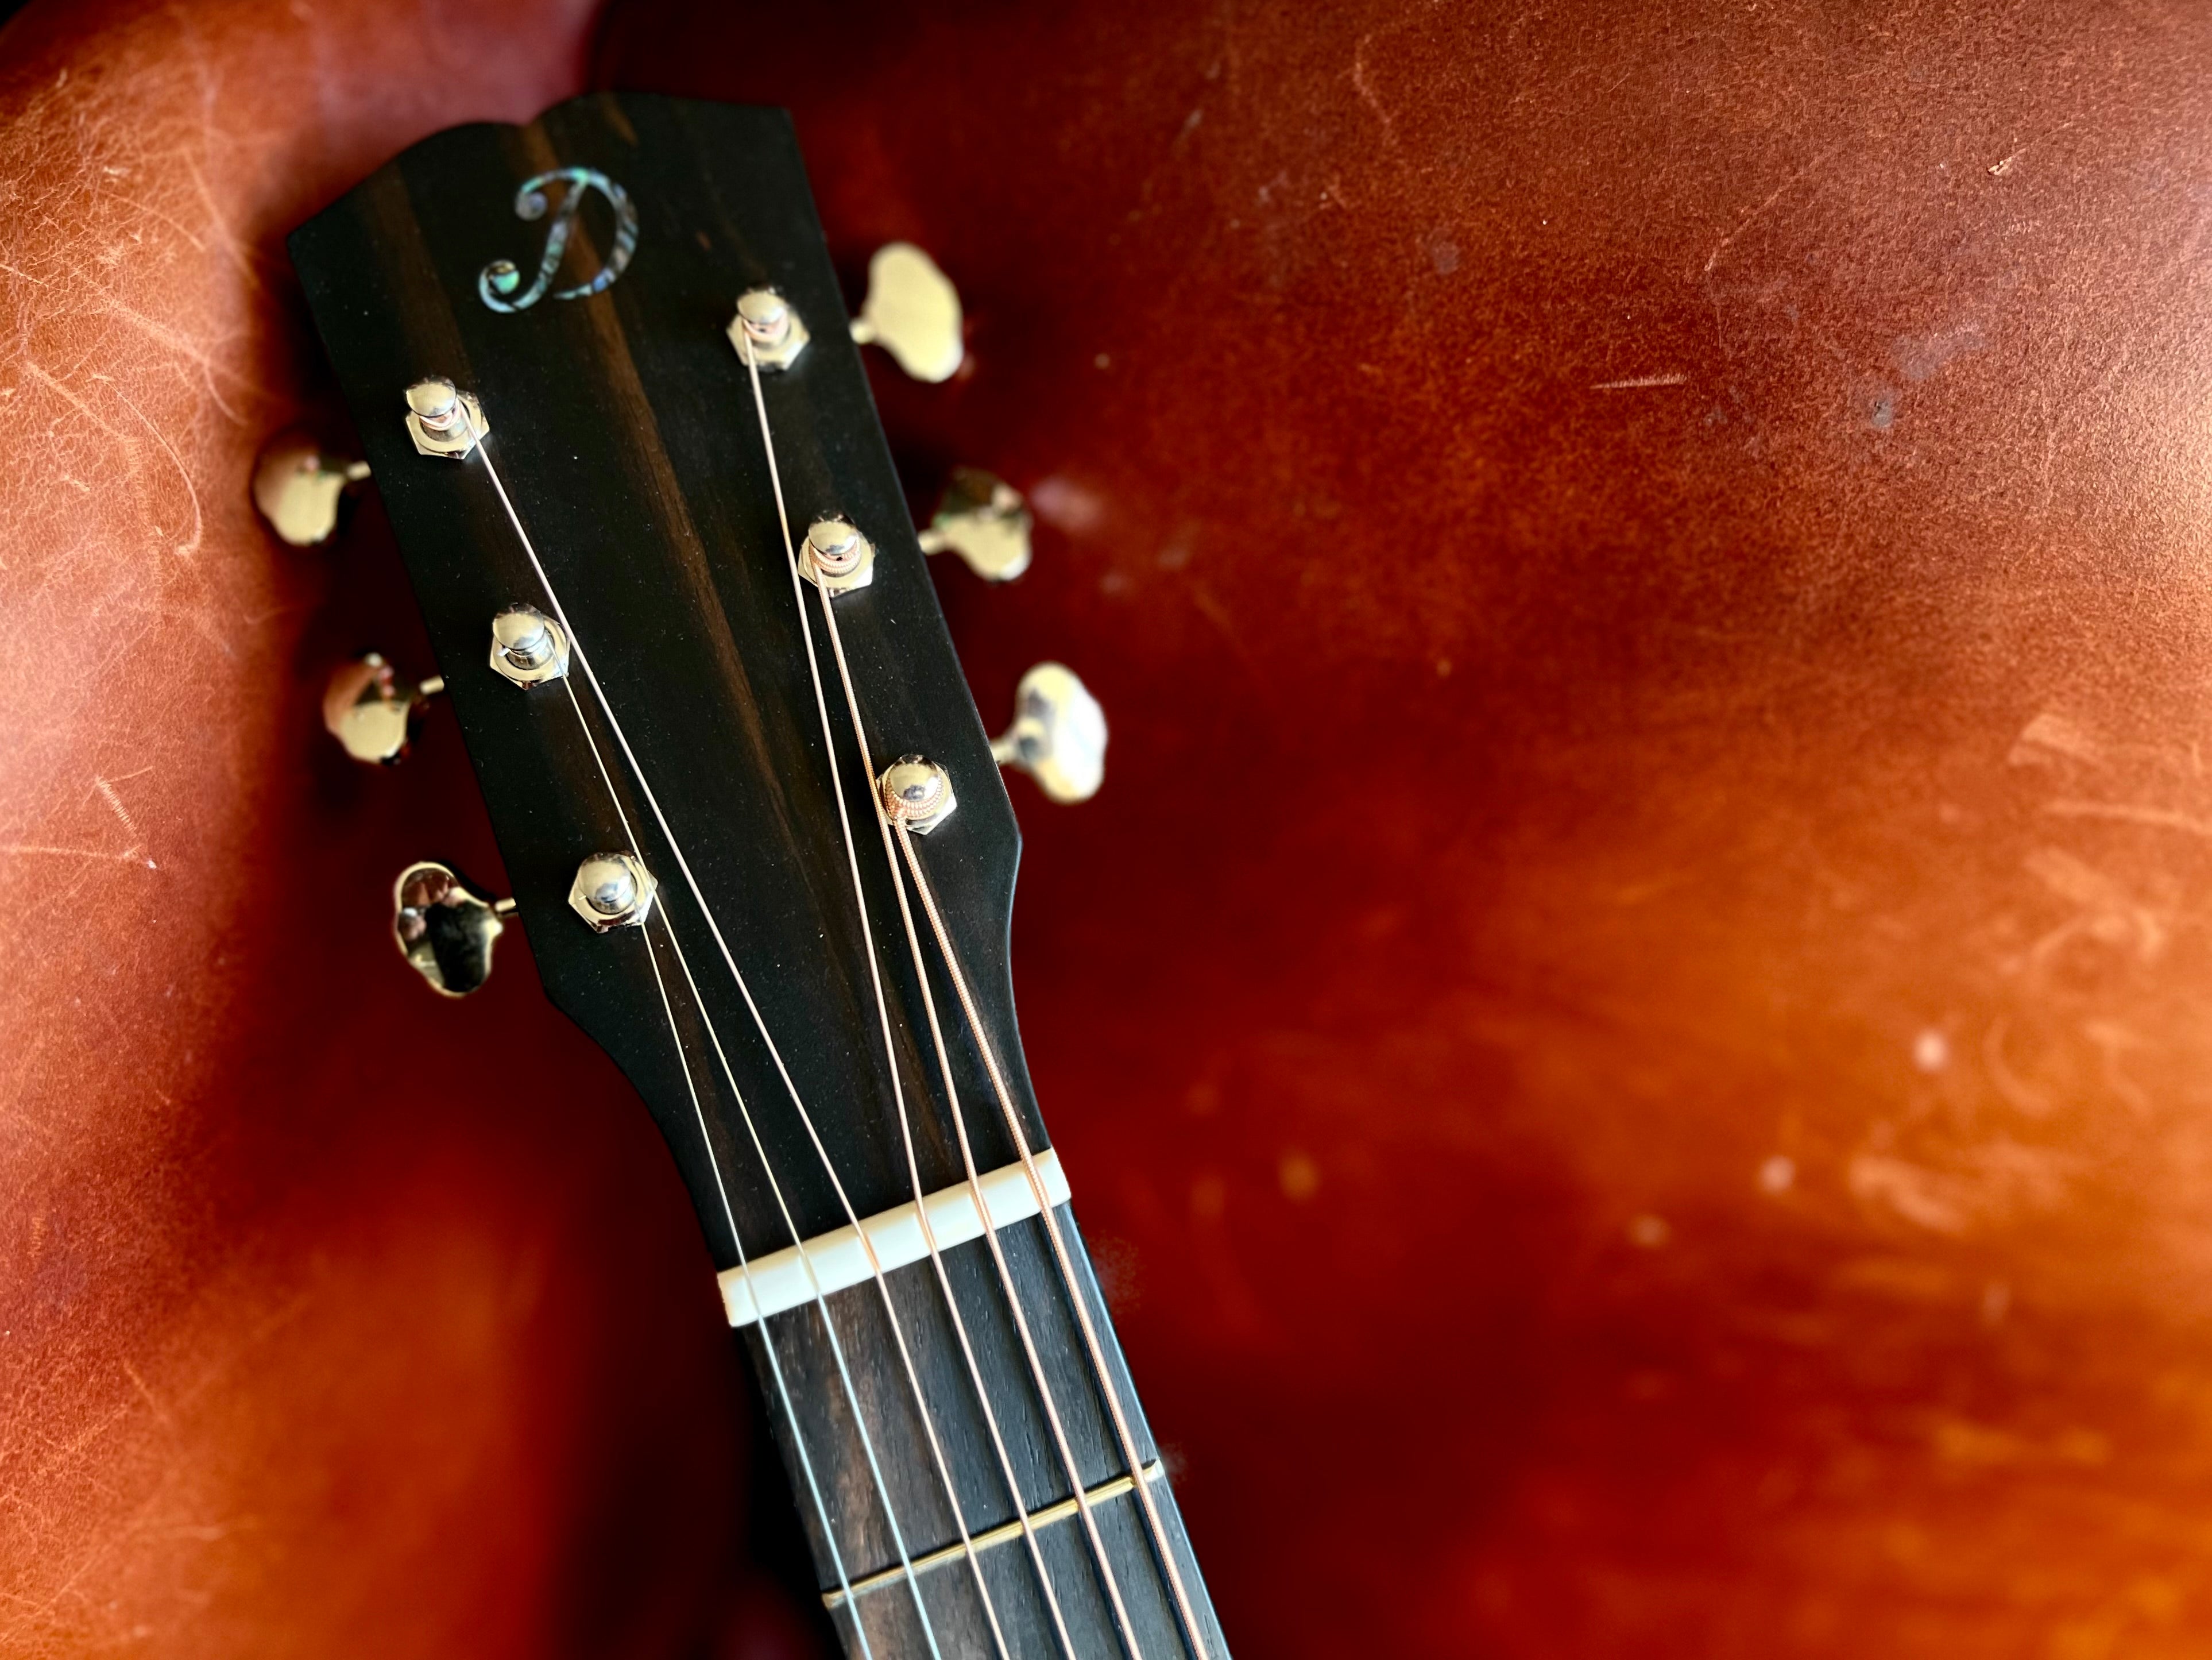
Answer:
(1635, 1015)
(334, 1319)
(1631, 1025)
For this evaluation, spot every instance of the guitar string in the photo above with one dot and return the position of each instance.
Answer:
(706, 1141)
(606, 709)
(1109, 1579)
(1096, 1353)
(1112, 1583)
(890, 1058)
(898, 1088)
(767, 1338)
(1184, 1610)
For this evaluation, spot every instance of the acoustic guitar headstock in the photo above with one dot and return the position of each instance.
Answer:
(598, 487)
(753, 823)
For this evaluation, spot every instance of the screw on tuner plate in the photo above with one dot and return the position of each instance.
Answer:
(913, 312)
(446, 928)
(985, 521)
(371, 711)
(300, 489)
(1058, 734)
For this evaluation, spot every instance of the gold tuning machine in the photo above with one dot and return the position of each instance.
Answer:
(913, 312)
(299, 489)
(1058, 734)
(985, 521)
(446, 928)
(371, 711)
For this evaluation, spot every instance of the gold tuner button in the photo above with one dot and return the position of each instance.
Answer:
(371, 711)
(1058, 734)
(985, 521)
(913, 312)
(446, 928)
(299, 491)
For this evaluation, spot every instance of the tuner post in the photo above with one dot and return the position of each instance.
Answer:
(768, 326)
(528, 647)
(443, 420)
(613, 891)
(917, 793)
(836, 557)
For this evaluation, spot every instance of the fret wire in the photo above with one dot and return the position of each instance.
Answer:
(836, 1348)
(721, 1190)
(1126, 1627)
(1113, 1488)
(890, 1059)
(1161, 1543)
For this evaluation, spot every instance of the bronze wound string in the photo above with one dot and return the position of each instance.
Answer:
(852, 1395)
(890, 1059)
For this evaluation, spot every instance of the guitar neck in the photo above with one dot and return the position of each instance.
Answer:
(1060, 1544)
(756, 835)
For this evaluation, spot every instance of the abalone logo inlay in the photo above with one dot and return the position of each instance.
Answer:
(498, 281)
